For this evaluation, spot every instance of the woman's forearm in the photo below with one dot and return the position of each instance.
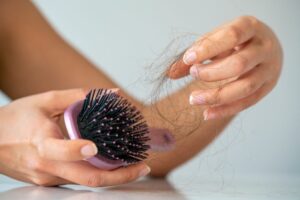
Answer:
(35, 59)
(186, 122)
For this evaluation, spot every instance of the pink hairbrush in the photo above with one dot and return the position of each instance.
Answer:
(118, 129)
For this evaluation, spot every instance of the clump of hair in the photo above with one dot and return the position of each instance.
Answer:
(163, 86)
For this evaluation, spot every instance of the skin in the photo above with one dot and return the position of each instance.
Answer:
(33, 148)
(247, 65)
(34, 59)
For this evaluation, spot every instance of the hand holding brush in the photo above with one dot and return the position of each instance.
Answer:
(39, 154)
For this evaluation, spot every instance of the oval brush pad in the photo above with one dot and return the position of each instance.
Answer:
(117, 128)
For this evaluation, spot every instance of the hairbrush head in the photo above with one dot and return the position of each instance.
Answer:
(116, 127)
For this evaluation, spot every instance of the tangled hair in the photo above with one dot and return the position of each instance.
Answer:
(185, 120)
(164, 86)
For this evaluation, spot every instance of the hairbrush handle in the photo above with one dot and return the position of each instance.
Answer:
(160, 139)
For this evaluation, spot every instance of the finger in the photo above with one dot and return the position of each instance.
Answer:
(241, 88)
(58, 182)
(222, 40)
(178, 68)
(66, 150)
(223, 55)
(234, 65)
(234, 34)
(85, 174)
(184, 69)
(43, 179)
(238, 106)
(55, 102)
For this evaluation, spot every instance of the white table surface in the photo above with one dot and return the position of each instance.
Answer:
(187, 188)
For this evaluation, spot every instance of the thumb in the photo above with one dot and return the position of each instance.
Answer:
(66, 150)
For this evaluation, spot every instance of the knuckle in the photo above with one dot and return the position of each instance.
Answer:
(249, 87)
(204, 40)
(246, 105)
(253, 20)
(205, 44)
(61, 171)
(200, 40)
(129, 177)
(268, 44)
(205, 75)
(94, 181)
(35, 164)
(51, 95)
(83, 91)
(41, 181)
(240, 63)
(249, 20)
(41, 151)
(215, 98)
(36, 181)
(234, 33)
(40, 148)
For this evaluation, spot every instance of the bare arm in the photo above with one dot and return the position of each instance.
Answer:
(35, 59)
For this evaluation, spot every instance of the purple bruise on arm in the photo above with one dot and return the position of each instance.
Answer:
(161, 139)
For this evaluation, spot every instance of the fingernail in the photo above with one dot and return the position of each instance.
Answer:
(115, 90)
(145, 171)
(89, 150)
(194, 71)
(205, 114)
(197, 99)
(189, 57)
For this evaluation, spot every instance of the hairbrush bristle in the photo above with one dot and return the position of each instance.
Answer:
(116, 127)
